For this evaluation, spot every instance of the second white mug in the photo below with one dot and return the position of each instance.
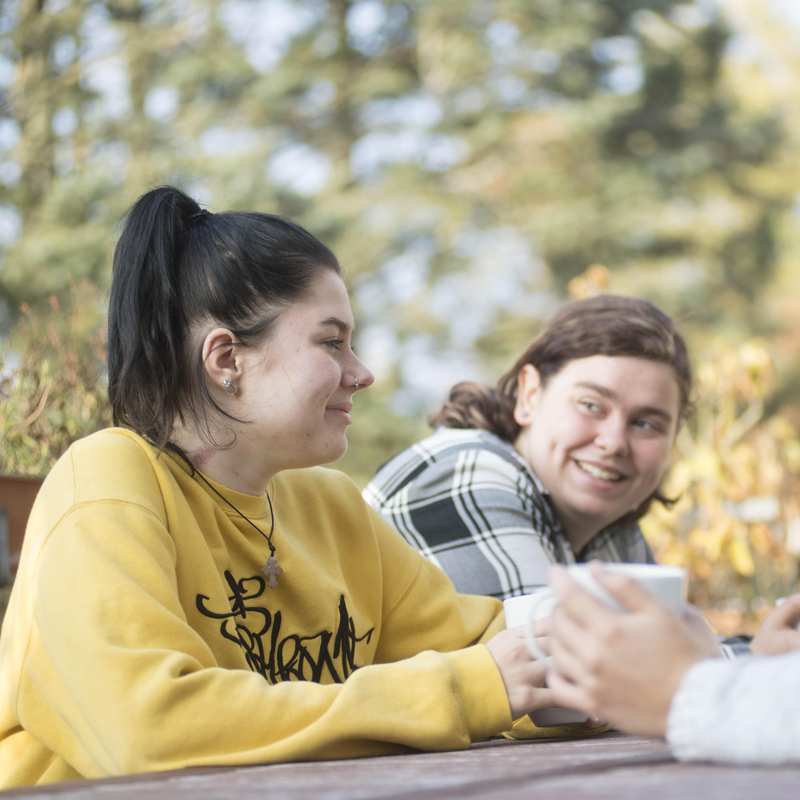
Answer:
(669, 585)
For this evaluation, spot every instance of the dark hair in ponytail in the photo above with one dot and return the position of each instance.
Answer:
(175, 265)
(608, 325)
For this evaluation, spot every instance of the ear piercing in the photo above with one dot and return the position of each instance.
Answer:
(228, 385)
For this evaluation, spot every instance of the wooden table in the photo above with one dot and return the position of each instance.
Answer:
(610, 766)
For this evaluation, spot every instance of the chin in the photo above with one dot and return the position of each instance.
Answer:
(333, 453)
(602, 512)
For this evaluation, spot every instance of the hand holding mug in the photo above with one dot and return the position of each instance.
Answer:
(622, 663)
(523, 676)
(667, 584)
(778, 633)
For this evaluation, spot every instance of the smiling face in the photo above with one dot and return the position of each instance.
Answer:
(296, 388)
(598, 435)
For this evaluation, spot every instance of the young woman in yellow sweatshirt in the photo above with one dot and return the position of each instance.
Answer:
(193, 588)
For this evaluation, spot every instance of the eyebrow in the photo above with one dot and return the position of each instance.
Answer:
(604, 391)
(337, 323)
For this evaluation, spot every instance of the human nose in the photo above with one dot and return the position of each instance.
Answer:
(358, 377)
(612, 436)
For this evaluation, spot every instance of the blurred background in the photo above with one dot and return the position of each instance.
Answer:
(473, 165)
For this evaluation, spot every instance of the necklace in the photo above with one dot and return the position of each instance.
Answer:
(272, 569)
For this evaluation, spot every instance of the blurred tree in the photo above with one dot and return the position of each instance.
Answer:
(52, 382)
(465, 161)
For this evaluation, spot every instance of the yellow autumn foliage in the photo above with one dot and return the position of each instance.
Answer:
(736, 523)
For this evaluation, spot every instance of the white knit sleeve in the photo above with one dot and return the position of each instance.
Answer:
(742, 711)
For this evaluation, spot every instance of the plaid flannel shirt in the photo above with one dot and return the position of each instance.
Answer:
(470, 503)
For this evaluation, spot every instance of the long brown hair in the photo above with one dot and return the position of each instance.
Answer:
(608, 325)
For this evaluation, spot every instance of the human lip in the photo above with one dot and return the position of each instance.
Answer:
(599, 470)
(342, 409)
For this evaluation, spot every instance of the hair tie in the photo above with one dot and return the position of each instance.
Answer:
(200, 214)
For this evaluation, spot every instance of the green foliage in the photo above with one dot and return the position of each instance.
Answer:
(466, 162)
(53, 382)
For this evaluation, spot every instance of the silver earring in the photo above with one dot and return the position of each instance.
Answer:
(228, 385)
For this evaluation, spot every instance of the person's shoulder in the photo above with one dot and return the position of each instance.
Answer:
(448, 445)
(476, 450)
(113, 463)
(437, 459)
(317, 483)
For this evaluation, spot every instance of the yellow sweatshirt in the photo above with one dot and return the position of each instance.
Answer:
(142, 635)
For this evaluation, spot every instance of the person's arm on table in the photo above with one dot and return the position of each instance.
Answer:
(651, 672)
(128, 686)
(622, 667)
(425, 613)
(747, 711)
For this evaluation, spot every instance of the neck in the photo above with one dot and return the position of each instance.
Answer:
(233, 467)
(579, 532)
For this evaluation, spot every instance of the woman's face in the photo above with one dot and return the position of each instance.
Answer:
(296, 388)
(599, 436)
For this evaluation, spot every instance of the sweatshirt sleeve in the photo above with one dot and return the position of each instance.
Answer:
(742, 711)
(115, 680)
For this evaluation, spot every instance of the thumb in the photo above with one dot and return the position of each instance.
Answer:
(628, 592)
(786, 615)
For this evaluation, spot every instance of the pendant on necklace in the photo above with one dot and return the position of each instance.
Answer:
(272, 571)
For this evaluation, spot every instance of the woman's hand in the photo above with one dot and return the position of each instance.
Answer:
(523, 676)
(618, 666)
(778, 633)
(698, 627)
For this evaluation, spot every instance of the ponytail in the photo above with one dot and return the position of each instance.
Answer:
(146, 328)
(473, 405)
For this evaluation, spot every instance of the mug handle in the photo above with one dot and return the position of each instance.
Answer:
(545, 595)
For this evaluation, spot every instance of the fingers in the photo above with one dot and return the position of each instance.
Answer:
(786, 615)
(575, 601)
(541, 639)
(572, 646)
(523, 677)
(566, 693)
(569, 663)
(542, 626)
(779, 632)
(776, 642)
(544, 644)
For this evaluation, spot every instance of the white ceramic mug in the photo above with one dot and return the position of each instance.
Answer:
(517, 614)
(668, 584)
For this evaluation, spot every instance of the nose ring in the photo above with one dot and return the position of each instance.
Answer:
(356, 383)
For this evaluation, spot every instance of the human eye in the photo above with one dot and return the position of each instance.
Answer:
(648, 425)
(589, 406)
(334, 344)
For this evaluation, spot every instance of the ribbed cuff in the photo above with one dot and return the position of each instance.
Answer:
(478, 683)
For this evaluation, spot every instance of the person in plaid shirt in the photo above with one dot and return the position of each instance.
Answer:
(557, 463)
(554, 465)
